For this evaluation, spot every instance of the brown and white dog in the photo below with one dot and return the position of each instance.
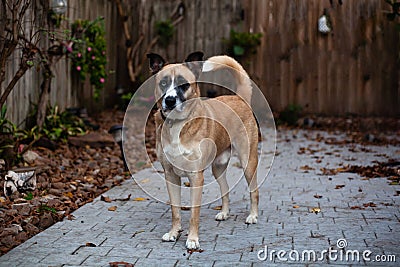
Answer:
(193, 133)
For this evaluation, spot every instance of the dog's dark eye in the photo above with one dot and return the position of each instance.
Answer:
(184, 86)
(182, 83)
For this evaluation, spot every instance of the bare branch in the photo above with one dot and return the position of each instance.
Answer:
(23, 67)
(24, 8)
(124, 19)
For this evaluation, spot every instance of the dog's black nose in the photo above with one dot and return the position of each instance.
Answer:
(170, 102)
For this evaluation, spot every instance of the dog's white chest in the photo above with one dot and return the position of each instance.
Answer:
(176, 150)
(173, 147)
(185, 158)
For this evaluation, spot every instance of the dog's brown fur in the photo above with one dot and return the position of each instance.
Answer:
(200, 120)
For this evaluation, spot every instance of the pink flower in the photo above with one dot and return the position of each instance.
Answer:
(89, 49)
(103, 53)
(102, 80)
(69, 47)
(79, 55)
(93, 57)
(78, 68)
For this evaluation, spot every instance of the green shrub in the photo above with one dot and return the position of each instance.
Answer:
(290, 115)
(242, 44)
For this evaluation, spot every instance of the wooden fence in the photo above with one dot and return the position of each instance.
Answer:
(355, 69)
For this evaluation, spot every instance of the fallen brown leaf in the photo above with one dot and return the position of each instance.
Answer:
(306, 168)
(69, 194)
(339, 186)
(369, 204)
(89, 179)
(139, 199)
(113, 208)
(356, 208)
(296, 206)
(317, 196)
(106, 199)
(191, 251)
(89, 244)
(315, 210)
(217, 208)
(120, 263)
(185, 208)
(187, 184)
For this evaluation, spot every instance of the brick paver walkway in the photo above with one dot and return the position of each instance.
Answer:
(364, 213)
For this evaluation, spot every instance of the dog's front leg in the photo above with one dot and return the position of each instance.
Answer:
(196, 189)
(174, 190)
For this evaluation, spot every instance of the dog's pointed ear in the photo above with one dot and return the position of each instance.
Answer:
(194, 62)
(195, 56)
(156, 62)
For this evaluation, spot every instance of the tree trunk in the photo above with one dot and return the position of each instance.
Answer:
(44, 97)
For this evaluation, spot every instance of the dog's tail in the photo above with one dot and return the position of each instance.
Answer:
(244, 88)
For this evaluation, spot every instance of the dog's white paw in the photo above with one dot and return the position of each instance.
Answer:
(222, 216)
(170, 237)
(192, 244)
(251, 219)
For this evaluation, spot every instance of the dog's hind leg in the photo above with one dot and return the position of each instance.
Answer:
(249, 162)
(174, 190)
(219, 168)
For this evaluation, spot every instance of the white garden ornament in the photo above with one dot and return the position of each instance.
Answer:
(324, 24)
(19, 181)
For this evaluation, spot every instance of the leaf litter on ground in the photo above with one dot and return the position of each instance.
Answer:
(389, 170)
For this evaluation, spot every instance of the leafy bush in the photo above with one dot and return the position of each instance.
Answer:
(59, 125)
(89, 52)
(241, 44)
(165, 31)
(11, 137)
(14, 142)
(290, 115)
